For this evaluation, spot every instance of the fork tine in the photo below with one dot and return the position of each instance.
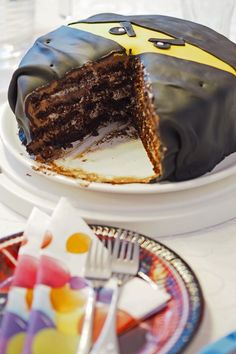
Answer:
(135, 257)
(116, 247)
(122, 249)
(103, 254)
(100, 258)
(109, 245)
(107, 259)
(89, 255)
(129, 251)
(94, 257)
(109, 249)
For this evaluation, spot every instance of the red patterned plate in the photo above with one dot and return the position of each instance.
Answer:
(168, 331)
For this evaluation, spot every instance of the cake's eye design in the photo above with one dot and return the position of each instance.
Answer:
(162, 43)
(117, 30)
(126, 28)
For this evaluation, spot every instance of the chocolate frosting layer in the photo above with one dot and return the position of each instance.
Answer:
(196, 103)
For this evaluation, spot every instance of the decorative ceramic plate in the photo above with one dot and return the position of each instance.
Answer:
(168, 331)
(116, 157)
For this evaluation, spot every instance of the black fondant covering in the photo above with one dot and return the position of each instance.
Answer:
(196, 103)
(49, 59)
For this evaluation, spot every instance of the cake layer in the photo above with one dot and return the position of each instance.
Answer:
(70, 108)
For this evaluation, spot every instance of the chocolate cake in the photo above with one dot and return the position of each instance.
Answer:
(173, 79)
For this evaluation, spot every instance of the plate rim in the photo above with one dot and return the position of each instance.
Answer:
(128, 188)
(182, 344)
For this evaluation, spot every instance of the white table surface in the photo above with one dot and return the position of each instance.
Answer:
(210, 252)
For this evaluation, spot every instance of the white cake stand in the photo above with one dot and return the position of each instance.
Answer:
(171, 209)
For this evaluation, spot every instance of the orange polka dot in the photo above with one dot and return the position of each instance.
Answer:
(29, 298)
(47, 239)
(78, 243)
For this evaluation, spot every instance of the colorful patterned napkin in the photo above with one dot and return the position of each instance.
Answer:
(58, 300)
(15, 319)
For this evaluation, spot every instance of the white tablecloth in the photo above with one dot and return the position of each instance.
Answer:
(211, 253)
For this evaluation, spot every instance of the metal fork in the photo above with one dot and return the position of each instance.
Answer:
(97, 272)
(125, 265)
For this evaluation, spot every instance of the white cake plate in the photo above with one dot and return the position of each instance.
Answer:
(157, 213)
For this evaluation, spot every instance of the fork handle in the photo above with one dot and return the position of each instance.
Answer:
(87, 329)
(107, 341)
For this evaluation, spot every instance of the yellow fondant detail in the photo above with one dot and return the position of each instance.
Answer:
(140, 44)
